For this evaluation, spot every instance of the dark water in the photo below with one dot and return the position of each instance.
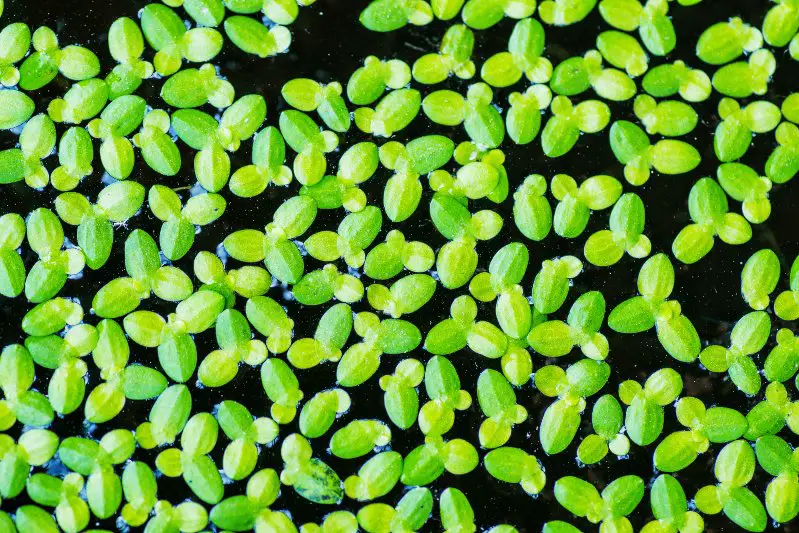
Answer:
(328, 45)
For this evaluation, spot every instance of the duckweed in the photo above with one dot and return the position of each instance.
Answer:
(465, 363)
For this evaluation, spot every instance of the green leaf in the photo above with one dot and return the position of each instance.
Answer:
(676, 451)
(725, 41)
(558, 427)
(623, 494)
(745, 509)
(577, 496)
(759, 278)
(390, 15)
(16, 108)
(254, 38)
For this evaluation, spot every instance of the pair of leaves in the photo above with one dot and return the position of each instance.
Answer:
(454, 57)
(331, 335)
(744, 185)
(118, 120)
(236, 345)
(670, 118)
(115, 205)
(675, 331)
(36, 142)
(644, 417)
(607, 419)
(310, 477)
(123, 295)
(391, 336)
(575, 203)
(705, 425)
(748, 336)
(48, 275)
(12, 269)
(734, 468)
(390, 15)
(126, 44)
(563, 129)
(394, 112)
(555, 338)
(482, 122)
(734, 133)
(562, 418)
(166, 34)
(49, 59)
(280, 255)
(122, 382)
(669, 79)
(524, 57)
(708, 208)
(627, 220)
(651, 20)
(632, 148)
(610, 508)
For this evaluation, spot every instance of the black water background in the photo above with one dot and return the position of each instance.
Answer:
(328, 44)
